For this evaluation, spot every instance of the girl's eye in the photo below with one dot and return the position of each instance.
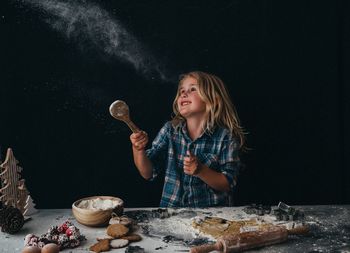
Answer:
(193, 89)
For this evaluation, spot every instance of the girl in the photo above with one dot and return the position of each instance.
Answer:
(198, 149)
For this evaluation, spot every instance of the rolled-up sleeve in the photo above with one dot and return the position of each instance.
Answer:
(229, 162)
(226, 161)
(158, 152)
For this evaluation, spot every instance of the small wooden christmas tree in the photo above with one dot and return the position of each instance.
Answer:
(22, 195)
(13, 191)
(29, 207)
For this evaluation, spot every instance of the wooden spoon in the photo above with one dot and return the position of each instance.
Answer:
(120, 111)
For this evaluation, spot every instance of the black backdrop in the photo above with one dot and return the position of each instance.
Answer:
(286, 65)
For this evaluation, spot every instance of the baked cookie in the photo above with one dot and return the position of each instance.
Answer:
(101, 246)
(104, 237)
(117, 230)
(125, 220)
(132, 237)
(118, 243)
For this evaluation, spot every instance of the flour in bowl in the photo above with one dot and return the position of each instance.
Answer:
(99, 204)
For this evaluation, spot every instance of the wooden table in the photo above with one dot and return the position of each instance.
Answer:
(330, 230)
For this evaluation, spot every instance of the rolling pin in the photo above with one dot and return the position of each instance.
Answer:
(245, 241)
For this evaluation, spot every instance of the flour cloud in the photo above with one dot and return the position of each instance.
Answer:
(86, 23)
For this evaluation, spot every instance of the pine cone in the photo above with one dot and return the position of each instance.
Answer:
(11, 220)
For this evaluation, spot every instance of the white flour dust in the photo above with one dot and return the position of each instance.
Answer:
(90, 25)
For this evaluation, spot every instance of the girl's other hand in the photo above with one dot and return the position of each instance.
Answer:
(191, 164)
(139, 140)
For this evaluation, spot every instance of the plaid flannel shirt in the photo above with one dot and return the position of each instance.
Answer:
(218, 151)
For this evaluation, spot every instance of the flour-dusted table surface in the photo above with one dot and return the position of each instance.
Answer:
(330, 230)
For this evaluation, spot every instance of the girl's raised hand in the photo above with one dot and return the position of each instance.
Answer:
(139, 140)
(191, 164)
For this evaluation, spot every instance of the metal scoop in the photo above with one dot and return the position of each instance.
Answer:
(120, 111)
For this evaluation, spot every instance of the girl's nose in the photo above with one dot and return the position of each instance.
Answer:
(184, 94)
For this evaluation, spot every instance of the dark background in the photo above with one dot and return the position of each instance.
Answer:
(286, 65)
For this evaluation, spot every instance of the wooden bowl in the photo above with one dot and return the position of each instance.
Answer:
(96, 217)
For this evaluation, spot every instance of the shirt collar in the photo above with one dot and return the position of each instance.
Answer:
(183, 127)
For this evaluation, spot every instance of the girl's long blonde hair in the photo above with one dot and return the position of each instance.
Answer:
(220, 110)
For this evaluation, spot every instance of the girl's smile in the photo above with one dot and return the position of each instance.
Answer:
(185, 102)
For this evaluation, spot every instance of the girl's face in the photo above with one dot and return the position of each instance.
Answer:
(189, 103)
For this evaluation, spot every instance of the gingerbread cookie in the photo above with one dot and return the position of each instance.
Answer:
(104, 237)
(101, 246)
(118, 243)
(132, 237)
(125, 220)
(117, 230)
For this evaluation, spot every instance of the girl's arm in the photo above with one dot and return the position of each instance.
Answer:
(214, 179)
(147, 161)
(142, 163)
(139, 141)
